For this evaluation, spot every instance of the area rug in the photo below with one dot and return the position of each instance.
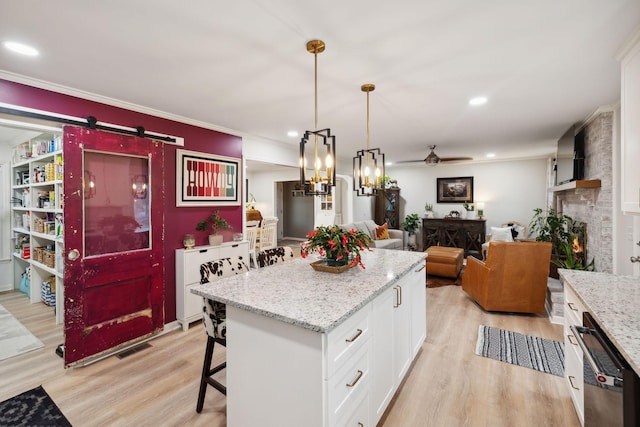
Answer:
(15, 339)
(31, 408)
(437, 281)
(523, 350)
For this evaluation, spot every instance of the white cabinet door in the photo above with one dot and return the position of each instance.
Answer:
(418, 309)
(402, 329)
(382, 376)
(630, 132)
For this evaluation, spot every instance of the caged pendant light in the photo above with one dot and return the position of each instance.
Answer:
(320, 153)
(368, 165)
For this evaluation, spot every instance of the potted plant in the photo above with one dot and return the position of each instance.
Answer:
(411, 224)
(339, 247)
(572, 260)
(468, 207)
(428, 209)
(215, 223)
(560, 230)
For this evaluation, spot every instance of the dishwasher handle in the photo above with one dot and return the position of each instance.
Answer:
(599, 373)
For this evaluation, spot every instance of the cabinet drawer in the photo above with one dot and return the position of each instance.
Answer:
(193, 259)
(573, 307)
(348, 386)
(346, 339)
(359, 414)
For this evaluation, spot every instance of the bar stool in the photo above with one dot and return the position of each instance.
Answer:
(214, 315)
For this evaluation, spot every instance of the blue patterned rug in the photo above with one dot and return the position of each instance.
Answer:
(33, 408)
(522, 350)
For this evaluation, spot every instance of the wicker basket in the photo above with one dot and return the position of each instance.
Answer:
(37, 254)
(49, 258)
(38, 225)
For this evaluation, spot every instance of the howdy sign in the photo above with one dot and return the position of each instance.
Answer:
(204, 179)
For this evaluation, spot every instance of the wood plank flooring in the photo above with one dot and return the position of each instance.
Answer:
(448, 385)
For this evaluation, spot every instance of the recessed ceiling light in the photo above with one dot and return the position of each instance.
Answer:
(22, 49)
(478, 100)
(292, 133)
(491, 155)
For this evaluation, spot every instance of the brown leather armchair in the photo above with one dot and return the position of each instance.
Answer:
(513, 278)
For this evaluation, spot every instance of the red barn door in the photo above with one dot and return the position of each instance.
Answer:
(113, 219)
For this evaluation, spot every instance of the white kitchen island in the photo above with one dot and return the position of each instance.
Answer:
(309, 348)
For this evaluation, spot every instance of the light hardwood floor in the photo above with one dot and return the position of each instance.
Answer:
(448, 385)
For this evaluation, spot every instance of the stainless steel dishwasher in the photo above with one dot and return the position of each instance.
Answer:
(612, 394)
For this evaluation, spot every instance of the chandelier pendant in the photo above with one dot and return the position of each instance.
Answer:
(368, 165)
(317, 147)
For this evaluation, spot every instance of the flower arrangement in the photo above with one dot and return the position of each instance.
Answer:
(213, 222)
(333, 243)
(468, 206)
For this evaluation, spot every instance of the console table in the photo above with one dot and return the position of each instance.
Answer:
(468, 234)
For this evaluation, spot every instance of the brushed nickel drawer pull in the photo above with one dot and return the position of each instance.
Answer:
(571, 339)
(571, 378)
(570, 304)
(360, 425)
(420, 269)
(356, 379)
(355, 337)
(396, 303)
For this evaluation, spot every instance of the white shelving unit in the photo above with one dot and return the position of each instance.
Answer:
(36, 216)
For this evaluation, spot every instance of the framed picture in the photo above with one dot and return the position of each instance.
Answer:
(204, 179)
(455, 190)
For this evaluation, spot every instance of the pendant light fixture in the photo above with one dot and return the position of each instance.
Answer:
(320, 154)
(368, 165)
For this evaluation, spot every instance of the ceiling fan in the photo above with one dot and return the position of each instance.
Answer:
(433, 159)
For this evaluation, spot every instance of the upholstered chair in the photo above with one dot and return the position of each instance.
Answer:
(214, 321)
(513, 278)
(274, 256)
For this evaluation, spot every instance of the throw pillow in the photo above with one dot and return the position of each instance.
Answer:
(382, 232)
(501, 234)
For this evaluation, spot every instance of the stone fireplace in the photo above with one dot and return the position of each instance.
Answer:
(591, 206)
(594, 206)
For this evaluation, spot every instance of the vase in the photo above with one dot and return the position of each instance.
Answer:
(215, 239)
(189, 241)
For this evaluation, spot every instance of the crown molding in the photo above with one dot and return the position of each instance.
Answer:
(629, 44)
(54, 87)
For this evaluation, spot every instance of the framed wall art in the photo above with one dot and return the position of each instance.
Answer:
(204, 179)
(455, 190)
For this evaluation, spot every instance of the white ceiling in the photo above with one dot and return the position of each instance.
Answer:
(242, 65)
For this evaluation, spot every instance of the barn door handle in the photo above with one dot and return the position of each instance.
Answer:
(73, 255)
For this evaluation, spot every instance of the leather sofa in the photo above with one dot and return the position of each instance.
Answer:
(395, 240)
(513, 278)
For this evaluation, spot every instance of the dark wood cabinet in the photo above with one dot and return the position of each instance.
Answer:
(387, 208)
(468, 234)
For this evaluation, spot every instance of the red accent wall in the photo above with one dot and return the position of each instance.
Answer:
(177, 221)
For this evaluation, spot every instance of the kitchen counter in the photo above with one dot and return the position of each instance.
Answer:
(295, 293)
(614, 302)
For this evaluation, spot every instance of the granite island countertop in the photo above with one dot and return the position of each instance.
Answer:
(295, 293)
(614, 302)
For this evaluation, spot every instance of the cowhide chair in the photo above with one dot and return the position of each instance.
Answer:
(274, 256)
(214, 315)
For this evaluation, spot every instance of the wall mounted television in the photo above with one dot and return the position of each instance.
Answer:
(569, 164)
